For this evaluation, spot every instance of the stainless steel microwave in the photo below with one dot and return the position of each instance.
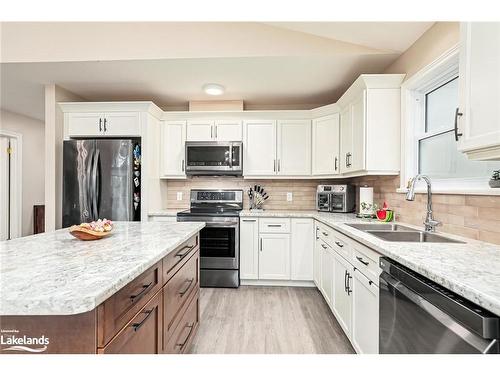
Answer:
(214, 158)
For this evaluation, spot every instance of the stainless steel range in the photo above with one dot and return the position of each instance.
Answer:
(219, 240)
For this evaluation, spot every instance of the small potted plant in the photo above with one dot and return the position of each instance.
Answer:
(495, 179)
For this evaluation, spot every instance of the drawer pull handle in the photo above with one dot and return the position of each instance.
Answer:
(189, 282)
(190, 326)
(325, 234)
(184, 251)
(323, 246)
(362, 261)
(249, 221)
(136, 326)
(274, 225)
(339, 244)
(134, 298)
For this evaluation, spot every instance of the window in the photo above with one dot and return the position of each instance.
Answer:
(438, 156)
(431, 98)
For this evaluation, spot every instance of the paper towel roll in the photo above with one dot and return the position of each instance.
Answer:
(366, 196)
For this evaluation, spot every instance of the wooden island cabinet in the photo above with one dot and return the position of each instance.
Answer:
(157, 312)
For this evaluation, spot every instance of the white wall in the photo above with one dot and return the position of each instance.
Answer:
(33, 158)
(54, 124)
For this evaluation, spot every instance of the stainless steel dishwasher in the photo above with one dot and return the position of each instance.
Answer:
(419, 316)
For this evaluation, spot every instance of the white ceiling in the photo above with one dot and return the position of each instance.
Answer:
(299, 77)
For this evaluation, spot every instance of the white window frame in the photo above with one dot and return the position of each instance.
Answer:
(413, 91)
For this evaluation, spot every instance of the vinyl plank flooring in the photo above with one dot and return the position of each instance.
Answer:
(267, 320)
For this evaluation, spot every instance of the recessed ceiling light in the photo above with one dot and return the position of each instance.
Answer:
(213, 89)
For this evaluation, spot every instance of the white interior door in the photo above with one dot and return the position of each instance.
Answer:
(4, 189)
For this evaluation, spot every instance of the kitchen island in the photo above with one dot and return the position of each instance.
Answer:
(135, 291)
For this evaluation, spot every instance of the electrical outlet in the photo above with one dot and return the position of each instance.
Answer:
(179, 195)
(289, 197)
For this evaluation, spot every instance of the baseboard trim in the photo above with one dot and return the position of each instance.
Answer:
(295, 283)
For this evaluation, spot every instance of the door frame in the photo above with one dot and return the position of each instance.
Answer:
(16, 182)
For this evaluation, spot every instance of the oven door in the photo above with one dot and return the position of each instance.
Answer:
(219, 246)
(206, 158)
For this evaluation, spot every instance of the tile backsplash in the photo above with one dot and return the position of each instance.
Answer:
(472, 216)
(303, 191)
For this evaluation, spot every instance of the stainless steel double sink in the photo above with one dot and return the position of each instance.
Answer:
(400, 233)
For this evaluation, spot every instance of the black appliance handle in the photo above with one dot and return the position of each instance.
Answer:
(88, 186)
(482, 345)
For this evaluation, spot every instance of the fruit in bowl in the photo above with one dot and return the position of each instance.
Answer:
(385, 214)
(93, 230)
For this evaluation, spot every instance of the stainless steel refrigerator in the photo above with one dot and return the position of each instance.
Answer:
(101, 179)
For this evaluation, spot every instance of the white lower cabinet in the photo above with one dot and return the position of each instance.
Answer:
(343, 293)
(274, 256)
(317, 257)
(365, 317)
(327, 274)
(249, 249)
(301, 250)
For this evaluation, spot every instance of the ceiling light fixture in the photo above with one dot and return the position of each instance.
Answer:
(213, 89)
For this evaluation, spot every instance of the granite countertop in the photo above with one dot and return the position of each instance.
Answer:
(470, 269)
(56, 274)
(166, 212)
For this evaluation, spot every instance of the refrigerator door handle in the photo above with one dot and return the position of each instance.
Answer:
(98, 182)
(94, 189)
(89, 188)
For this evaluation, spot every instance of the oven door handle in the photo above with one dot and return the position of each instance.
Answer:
(471, 338)
(228, 224)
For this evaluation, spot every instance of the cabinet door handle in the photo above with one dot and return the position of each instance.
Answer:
(184, 251)
(325, 234)
(136, 326)
(100, 124)
(260, 244)
(348, 160)
(317, 230)
(345, 281)
(211, 131)
(188, 285)
(190, 326)
(105, 130)
(134, 298)
(324, 246)
(279, 165)
(362, 261)
(274, 167)
(182, 165)
(216, 132)
(349, 290)
(339, 244)
(457, 134)
(335, 163)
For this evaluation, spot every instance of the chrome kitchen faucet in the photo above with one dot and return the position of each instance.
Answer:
(430, 223)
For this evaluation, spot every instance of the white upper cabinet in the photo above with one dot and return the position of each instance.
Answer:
(214, 130)
(249, 248)
(110, 124)
(294, 148)
(478, 118)
(227, 130)
(326, 145)
(302, 248)
(173, 136)
(200, 130)
(370, 121)
(259, 148)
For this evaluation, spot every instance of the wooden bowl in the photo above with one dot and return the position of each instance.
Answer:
(85, 234)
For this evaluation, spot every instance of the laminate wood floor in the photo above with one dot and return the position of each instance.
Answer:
(267, 320)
